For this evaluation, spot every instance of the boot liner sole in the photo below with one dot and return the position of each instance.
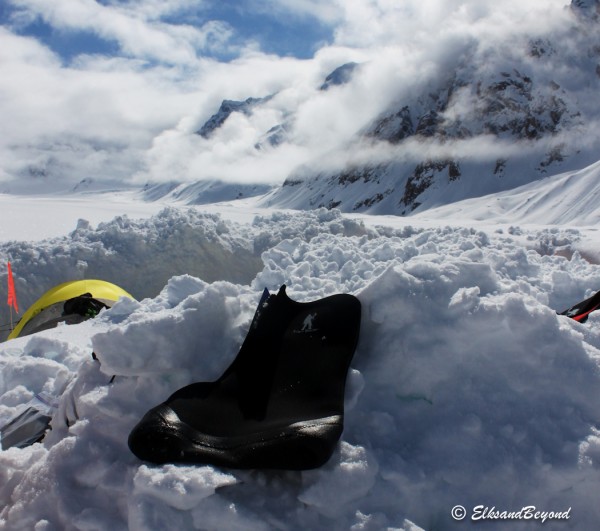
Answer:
(298, 446)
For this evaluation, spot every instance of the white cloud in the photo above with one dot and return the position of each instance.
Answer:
(156, 9)
(127, 117)
(419, 24)
(61, 118)
(136, 26)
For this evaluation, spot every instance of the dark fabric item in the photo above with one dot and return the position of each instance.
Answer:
(84, 305)
(582, 310)
(279, 405)
(72, 311)
(25, 429)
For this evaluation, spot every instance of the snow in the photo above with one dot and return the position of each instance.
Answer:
(466, 387)
(41, 217)
(570, 198)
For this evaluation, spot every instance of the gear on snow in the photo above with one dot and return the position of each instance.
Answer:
(581, 311)
(279, 405)
(71, 303)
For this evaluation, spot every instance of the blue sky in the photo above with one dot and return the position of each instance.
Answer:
(67, 44)
(273, 28)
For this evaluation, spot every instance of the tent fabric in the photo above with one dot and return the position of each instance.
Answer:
(49, 309)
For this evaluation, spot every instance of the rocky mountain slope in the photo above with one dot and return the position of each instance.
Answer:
(490, 120)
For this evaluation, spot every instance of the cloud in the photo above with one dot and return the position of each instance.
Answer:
(133, 116)
(137, 27)
(419, 24)
(93, 118)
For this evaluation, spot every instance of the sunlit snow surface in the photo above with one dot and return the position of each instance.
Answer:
(466, 388)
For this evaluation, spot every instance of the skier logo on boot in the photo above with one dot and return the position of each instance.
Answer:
(307, 325)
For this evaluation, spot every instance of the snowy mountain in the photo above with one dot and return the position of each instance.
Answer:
(489, 119)
(201, 192)
(571, 198)
(538, 123)
(340, 76)
(226, 109)
(588, 8)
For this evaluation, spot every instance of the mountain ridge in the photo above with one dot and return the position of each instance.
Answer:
(520, 105)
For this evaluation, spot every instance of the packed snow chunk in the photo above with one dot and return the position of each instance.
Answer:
(38, 374)
(31, 499)
(451, 274)
(469, 393)
(58, 350)
(89, 519)
(355, 383)
(323, 266)
(86, 478)
(409, 526)
(218, 512)
(180, 288)
(348, 477)
(378, 521)
(15, 465)
(589, 450)
(465, 299)
(181, 487)
(188, 326)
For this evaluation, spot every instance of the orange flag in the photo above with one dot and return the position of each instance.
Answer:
(12, 296)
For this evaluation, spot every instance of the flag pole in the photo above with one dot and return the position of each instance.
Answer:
(12, 295)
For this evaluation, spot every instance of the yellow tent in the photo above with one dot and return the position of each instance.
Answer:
(48, 310)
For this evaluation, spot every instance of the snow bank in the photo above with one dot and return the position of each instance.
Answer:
(466, 388)
(142, 255)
